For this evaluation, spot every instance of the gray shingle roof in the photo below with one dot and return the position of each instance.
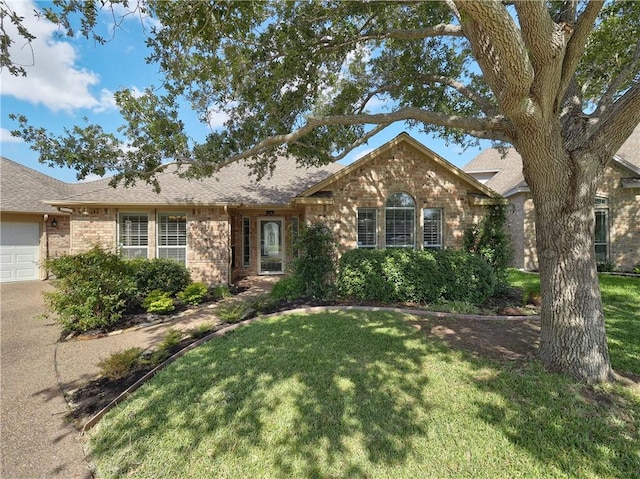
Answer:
(233, 184)
(22, 190)
(509, 178)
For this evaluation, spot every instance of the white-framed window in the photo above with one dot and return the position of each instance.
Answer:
(601, 239)
(367, 228)
(400, 213)
(246, 242)
(133, 235)
(172, 236)
(432, 228)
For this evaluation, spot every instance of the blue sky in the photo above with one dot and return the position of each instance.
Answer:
(72, 78)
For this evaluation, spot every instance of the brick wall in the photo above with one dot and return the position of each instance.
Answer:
(399, 169)
(207, 237)
(623, 216)
(58, 237)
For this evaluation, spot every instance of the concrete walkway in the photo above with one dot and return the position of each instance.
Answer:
(35, 369)
(36, 440)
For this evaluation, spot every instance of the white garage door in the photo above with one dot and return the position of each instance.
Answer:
(19, 251)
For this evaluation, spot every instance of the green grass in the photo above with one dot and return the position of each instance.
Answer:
(359, 394)
(621, 301)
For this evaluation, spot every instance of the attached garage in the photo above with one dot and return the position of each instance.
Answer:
(19, 251)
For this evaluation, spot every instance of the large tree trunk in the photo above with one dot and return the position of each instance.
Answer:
(563, 186)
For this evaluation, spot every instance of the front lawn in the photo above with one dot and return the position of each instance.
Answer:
(360, 394)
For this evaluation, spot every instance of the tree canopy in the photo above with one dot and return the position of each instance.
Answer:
(317, 79)
(558, 80)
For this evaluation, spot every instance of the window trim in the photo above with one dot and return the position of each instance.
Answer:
(412, 243)
(602, 207)
(440, 232)
(119, 239)
(159, 246)
(375, 228)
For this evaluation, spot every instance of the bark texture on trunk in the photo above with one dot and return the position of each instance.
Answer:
(563, 186)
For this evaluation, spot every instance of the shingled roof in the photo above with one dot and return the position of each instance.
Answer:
(508, 178)
(22, 189)
(234, 184)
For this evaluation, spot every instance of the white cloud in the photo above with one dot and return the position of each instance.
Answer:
(53, 77)
(5, 137)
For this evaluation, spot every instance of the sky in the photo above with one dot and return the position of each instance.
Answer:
(70, 79)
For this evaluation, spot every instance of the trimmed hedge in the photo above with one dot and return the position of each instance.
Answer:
(403, 275)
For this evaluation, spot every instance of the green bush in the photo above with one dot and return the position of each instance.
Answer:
(315, 268)
(403, 275)
(159, 273)
(194, 294)
(158, 302)
(288, 288)
(93, 289)
(201, 330)
(231, 312)
(121, 363)
(607, 267)
(489, 239)
(167, 346)
(220, 292)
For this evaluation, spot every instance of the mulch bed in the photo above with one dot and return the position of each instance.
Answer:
(508, 340)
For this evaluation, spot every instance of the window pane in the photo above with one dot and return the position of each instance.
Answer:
(432, 237)
(400, 221)
(172, 236)
(133, 234)
(367, 228)
(601, 239)
(246, 238)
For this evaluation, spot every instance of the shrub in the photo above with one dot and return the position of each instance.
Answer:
(315, 268)
(194, 294)
(636, 269)
(404, 275)
(232, 312)
(93, 289)
(606, 267)
(288, 288)
(220, 292)
(167, 346)
(490, 240)
(159, 273)
(201, 330)
(121, 363)
(158, 302)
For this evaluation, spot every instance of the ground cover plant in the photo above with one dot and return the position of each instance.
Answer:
(364, 394)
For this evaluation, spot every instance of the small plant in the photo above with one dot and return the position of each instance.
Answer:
(264, 303)
(201, 330)
(220, 292)
(121, 363)
(194, 294)
(636, 269)
(232, 312)
(168, 344)
(607, 267)
(288, 288)
(532, 295)
(158, 302)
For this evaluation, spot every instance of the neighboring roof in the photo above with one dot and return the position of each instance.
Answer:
(232, 185)
(509, 179)
(22, 190)
(401, 138)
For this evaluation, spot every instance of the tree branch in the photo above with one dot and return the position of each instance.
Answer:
(485, 105)
(576, 45)
(630, 70)
(617, 123)
(497, 128)
(501, 53)
(439, 30)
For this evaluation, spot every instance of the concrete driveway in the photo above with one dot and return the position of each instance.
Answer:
(36, 441)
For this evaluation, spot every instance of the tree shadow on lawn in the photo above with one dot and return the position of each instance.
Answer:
(331, 388)
(343, 379)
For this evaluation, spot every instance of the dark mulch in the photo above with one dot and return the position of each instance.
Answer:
(496, 339)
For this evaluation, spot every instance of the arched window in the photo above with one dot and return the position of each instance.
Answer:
(400, 214)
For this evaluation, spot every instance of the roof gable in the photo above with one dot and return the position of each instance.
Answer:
(401, 138)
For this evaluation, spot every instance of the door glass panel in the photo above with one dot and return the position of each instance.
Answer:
(271, 246)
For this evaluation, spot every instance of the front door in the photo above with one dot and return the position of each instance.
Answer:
(271, 245)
